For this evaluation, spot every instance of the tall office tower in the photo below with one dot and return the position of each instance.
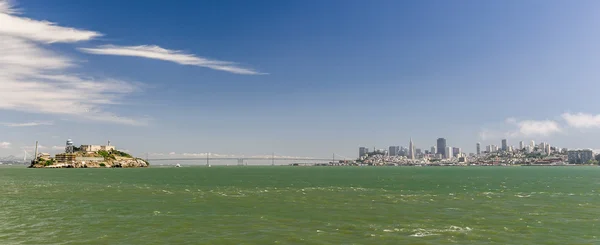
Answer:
(488, 148)
(504, 145)
(547, 149)
(411, 150)
(478, 148)
(455, 151)
(394, 150)
(433, 150)
(532, 145)
(448, 152)
(362, 151)
(441, 146)
(521, 145)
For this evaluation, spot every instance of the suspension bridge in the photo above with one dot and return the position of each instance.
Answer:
(240, 160)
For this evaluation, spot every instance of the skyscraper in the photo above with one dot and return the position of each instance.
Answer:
(504, 145)
(411, 150)
(393, 151)
(448, 152)
(532, 145)
(521, 145)
(455, 151)
(441, 146)
(478, 148)
(362, 151)
(433, 150)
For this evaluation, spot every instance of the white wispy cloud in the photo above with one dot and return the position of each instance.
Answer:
(533, 127)
(26, 124)
(58, 147)
(512, 128)
(176, 56)
(5, 145)
(40, 31)
(35, 79)
(582, 120)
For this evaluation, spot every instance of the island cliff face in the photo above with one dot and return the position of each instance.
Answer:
(84, 159)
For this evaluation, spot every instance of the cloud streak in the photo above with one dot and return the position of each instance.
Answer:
(176, 56)
(40, 31)
(27, 124)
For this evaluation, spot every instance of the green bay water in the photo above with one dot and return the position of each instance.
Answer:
(301, 205)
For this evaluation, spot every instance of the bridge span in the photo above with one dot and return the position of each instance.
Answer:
(240, 158)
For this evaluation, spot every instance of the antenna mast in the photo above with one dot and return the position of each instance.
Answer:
(36, 151)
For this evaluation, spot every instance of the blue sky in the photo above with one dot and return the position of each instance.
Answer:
(298, 78)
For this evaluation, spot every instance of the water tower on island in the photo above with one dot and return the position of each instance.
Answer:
(69, 147)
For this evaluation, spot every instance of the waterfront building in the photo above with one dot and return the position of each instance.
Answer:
(580, 156)
(95, 148)
(448, 152)
(441, 146)
(478, 148)
(521, 145)
(65, 157)
(504, 145)
(394, 150)
(362, 151)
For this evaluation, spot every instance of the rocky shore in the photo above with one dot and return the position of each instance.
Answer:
(124, 163)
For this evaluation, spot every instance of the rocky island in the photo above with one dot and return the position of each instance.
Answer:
(88, 156)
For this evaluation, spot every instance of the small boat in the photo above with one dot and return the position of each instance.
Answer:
(178, 165)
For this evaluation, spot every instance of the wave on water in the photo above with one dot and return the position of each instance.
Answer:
(435, 232)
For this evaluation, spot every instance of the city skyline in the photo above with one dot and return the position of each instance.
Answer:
(296, 78)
